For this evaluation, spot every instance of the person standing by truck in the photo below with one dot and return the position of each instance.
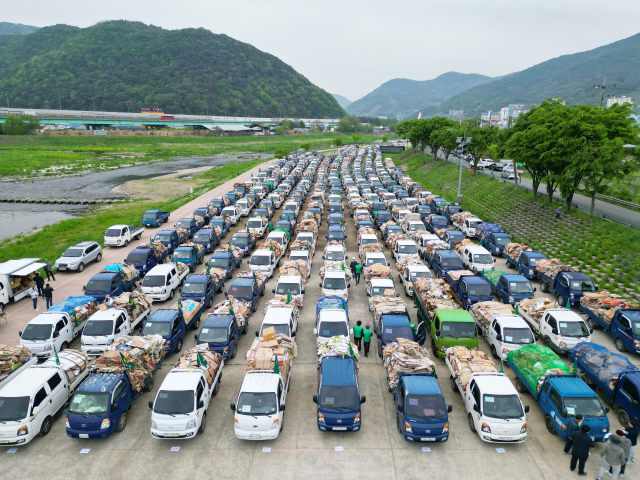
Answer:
(581, 444)
(48, 270)
(39, 282)
(352, 265)
(34, 297)
(47, 292)
(357, 273)
(632, 434)
(572, 427)
(357, 335)
(612, 455)
(366, 337)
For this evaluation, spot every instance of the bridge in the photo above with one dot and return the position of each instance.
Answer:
(98, 118)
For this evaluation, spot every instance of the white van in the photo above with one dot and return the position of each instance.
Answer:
(335, 283)
(331, 322)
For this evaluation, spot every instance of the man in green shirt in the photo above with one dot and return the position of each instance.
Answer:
(366, 337)
(357, 335)
(270, 226)
(358, 270)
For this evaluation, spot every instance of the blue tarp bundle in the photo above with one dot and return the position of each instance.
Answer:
(599, 361)
(70, 303)
(116, 267)
(488, 228)
(331, 301)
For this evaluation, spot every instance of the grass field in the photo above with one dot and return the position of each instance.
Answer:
(609, 252)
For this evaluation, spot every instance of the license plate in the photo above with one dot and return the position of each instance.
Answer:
(4, 441)
(428, 439)
(505, 438)
(83, 435)
(171, 434)
(254, 435)
(339, 428)
(94, 351)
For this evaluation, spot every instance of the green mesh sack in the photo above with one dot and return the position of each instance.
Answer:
(493, 276)
(534, 362)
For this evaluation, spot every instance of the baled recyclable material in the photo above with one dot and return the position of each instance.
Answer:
(535, 307)
(605, 304)
(72, 362)
(382, 305)
(335, 267)
(406, 261)
(232, 306)
(12, 358)
(485, 311)
(465, 362)
(536, 363)
(367, 248)
(393, 238)
(405, 356)
(295, 267)
(189, 309)
(213, 360)
(337, 346)
(271, 245)
(377, 271)
(134, 303)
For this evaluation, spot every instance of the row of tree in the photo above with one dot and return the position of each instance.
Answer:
(20, 125)
(571, 148)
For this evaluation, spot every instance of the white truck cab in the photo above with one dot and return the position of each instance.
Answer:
(263, 261)
(414, 226)
(334, 253)
(374, 258)
(469, 226)
(258, 225)
(292, 284)
(377, 287)
(282, 319)
(307, 237)
(245, 209)
(507, 333)
(293, 206)
(404, 248)
(302, 255)
(234, 212)
(49, 330)
(478, 258)
(121, 235)
(162, 282)
(335, 283)
(560, 329)
(106, 326)
(331, 322)
(279, 237)
(335, 198)
(276, 199)
(368, 238)
(424, 240)
(411, 274)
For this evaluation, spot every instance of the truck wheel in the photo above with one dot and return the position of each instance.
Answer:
(197, 324)
(45, 428)
(561, 301)
(81, 267)
(122, 422)
(620, 345)
(494, 353)
(547, 343)
(126, 243)
(623, 418)
(520, 386)
(549, 423)
(472, 427)
(216, 388)
(203, 424)
(149, 386)
(171, 294)
(262, 293)
(454, 386)
(235, 351)
(544, 288)
(192, 268)
(64, 346)
(179, 346)
(398, 424)
(99, 258)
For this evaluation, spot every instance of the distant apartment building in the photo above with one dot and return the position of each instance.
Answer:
(619, 100)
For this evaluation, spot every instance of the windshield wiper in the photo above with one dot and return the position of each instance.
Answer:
(164, 413)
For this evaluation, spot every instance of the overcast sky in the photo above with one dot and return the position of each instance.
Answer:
(351, 47)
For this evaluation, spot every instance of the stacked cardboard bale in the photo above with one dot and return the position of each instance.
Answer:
(365, 231)
(225, 217)
(271, 245)
(235, 251)
(134, 303)
(182, 232)
(465, 363)
(439, 245)
(387, 225)
(384, 305)
(459, 218)
(260, 278)
(394, 237)
(78, 308)
(599, 361)
(218, 231)
(335, 267)
(369, 247)
(552, 266)
(605, 304)
(486, 229)
(241, 310)
(128, 272)
(12, 358)
(485, 311)
(405, 356)
(316, 204)
(536, 363)
(337, 346)
(271, 347)
(72, 361)
(181, 267)
(460, 246)
(435, 294)
(189, 359)
(199, 220)
(217, 273)
(302, 245)
(377, 271)
(406, 261)
(535, 307)
(308, 216)
(514, 250)
(308, 225)
(295, 267)
(189, 310)
(158, 247)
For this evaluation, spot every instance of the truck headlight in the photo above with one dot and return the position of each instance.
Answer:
(110, 341)
(505, 351)
(530, 272)
(510, 299)
(407, 428)
(446, 428)
(105, 424)
(486, 428)
(23, 430)
(66, 422)
(225, 351)
(357, 419)
(191, 423)
(321, 418)
(562, 344)
(48, 346)
(154, 425)
(275, 424)
(82, 342)
(605, 430)
(524, 428)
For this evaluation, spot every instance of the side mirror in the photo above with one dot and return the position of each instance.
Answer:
(257, 333)
(635, 403)
(200, 404)
(315, 331)
(536, 337)
(151, 404)
(565, 413)
(20, 333)
(348, 285)
(195, 336)
(303, 290)
(498, 337)
(56, 334)
(282, 407)
(398, 407)
(320, 285)
(115, 407)
(273, 291)
(437, 333)
(35, 410)
(363, 399)
(526, 409)
(315, 399)
(83, 288)
(449, 408)
(233, 407)
(476, 408)
(323, 257)
(535, 289)
(606, 409)
(326, 236)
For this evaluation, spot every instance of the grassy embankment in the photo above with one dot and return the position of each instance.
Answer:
(610, 252)
(27, 156)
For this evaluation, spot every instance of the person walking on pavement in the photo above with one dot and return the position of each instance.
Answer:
(270, 226)
(626, 447)
(358, 270)
(357, 335)
(611, 456)
(632, 434)
(48, 270)
(352, 266)
(558, 212)
(366, 338)
(572, 427)
(48, 295)
(581, 444)
(39, 282)
(34, 297)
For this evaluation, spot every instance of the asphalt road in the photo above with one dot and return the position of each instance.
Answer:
(301, 450)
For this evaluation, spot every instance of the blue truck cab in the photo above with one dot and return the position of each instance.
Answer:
(169, 324)
(512, 289)
(364, 224)
(624, 327)
(188, 224)
(390, 230)
(204, 213)
(216, 205)
(495, 242)
(315, 211)
(198, 286)
(246, 289)
(338, 399)
(527, 263)
(289, 215)
(108, 283)
(444, 261)
(144, 259)
(231, 197)
(154, 218)
(470, 289)
(392, 326)
(223, 260)
(378, 207)
(436, 222)
(244, 241)
(263, 212)
(168, 238)
(335, 219)
(207, 238)
(437, 204)
(221, 223)
(240, 190)
(424, 211)
(421, 411)
(568, 286)
(453, 237)
(336, 207)
(285, 226)
(222, 334)
(450, 210)
(189, 255)
(382, 217)
(336, 233)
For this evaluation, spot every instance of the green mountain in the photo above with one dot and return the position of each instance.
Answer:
(128, 65)
(570, 77)
(404, 98)
(342, 101)
(7, 28)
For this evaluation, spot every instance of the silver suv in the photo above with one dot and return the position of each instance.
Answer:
(76, 257)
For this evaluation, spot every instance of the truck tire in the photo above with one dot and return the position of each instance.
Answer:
(179, 346)
(172, 294)
(561, 301)
(547, 342)
(126, 243)
(203, 424)
(197, 324)
(81, 267)
(64, 346)
(454, 385)
(99, 258)
(216, 389)
(544, 288)
(122, 423)
(45, 428)
(398, 424)
(623, 418)
(520, 386)
(549, 424)
(149, 385)
(235, 351)
(262, 293)
(494, 352)
(620, 345)
(472, 427)
(591, 324)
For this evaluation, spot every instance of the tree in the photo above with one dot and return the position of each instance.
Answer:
(305, 146)
(481, 139)
(433, 125)
(338, 142)
(281, 152)
(445, 138)
(349, 124)
(21, 125)
(384, 138)
(356, 137)
(301, 124)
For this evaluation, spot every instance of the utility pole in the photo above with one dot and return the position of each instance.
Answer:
(127, 102)
(7, 98)
(602, 88)
(478, 105)
(60, 102)
(94, 103)
(463, 144)
(461, 112)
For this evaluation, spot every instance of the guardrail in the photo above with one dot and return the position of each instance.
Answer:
(617, 200)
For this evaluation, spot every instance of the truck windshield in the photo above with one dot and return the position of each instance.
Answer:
(157, 328)
(503, 240)
(336, 236)
(13, 408)
(202, 238)
(587, 406)
(502, 406)
(483, 258)
(342, 397)
(519, 336)
(474, 223)
(281, 328)
(240, 291)
(97, 328)
(366, 241)
(483, 290)
(408, 249)
(416, 275)
(426, 407)
(242, 241)
(391, 334)
(384, 216)
(214, 335)
(263, 403)
(190, 288)
(284, 288)
(440, 222)
(458, 329)
(259, 260)
(333, 255)
(183, 254)
(374, 261)
(219, 262)
(113, 232)
(153, 281)
(37, 332)
(333, 329)
(163, 237)
(201, 212)
(89, 403)
(216, 203)
(451, 262)
(379, 290)
(73, 252)
(174, 402)
(137, 258)
(150, 216)
(415, 227)
(334, 284)
(520, 287)
(186, 224)
(255, 224)
(573, 329)
(98, 286)
(219, 223)
(582, 286)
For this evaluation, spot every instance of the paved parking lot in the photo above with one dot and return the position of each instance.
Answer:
(301, 450)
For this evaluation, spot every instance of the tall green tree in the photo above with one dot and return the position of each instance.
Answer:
(445, 139)
(432, 125)
(21, 125)
(338, 142)
(481, 140)
(356, 137)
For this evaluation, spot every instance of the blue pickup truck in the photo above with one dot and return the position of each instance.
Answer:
(613, 375)
(170, 239)
(189, 224)
(189, 255)
(203, 213)
(221, 223)
(422, 415)
(144, 258)
(225, 261)
(222, 334)
(231, 197)
(437, 205)
(526, 263)
(263, 212)
(110, 281)
(568, 286)
(392, 326)
(154, 218)
(101, 404)
(171, 325)
(450, 210)
(198, 286)
(624, 327)
(444, 261)
(512, 289)
(470, 289)
(246, 289)
(493, 237)
(381, 218)
(244, 241)
(216, 205)
(338, 399)
(436, 222)
(453, 236)
(207, 238)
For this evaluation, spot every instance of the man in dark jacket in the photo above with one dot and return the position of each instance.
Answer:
(581, 444)
(39, 282)
(572, 427)
(632, 434)
(352, 265)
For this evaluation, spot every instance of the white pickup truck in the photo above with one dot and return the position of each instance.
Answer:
(280, 237)
(469, 225)
(507, 333)
(121, 235)
(106, 326)
(411, 274)
(335, 283)
(377, 287)
(245, 209)
(264, 261)
(163, 281)
(234, 212)
(49, 330)
(424, 240)
(477, 258)
(292, 284)
(373, 258)
(404, 248)
(560, 329)
(334, 253)
(179, 410)
(302, 255)
(258, 225)
(307, 237)
(368, 238)
(332, 322)
(282, 318)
